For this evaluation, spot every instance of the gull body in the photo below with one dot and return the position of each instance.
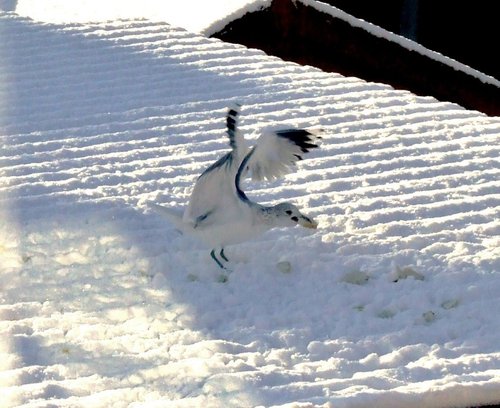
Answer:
(219, 212)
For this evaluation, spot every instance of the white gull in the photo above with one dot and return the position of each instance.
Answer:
(219, 212)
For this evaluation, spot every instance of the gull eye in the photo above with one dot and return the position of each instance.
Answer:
(295, 219)
(289, 212)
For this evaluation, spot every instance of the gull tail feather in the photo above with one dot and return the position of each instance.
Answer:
(172, 214)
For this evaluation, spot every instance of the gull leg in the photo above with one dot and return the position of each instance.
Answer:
(212, 254)
(223, 278)
(223, 255)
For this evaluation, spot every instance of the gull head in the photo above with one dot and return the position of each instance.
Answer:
(288, 215)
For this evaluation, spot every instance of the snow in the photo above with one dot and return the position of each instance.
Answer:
(193, 15)
(392, 302)
(223, 20)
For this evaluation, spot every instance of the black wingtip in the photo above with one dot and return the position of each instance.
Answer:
(231, 121)
(232, 112)
(301, 137)
(234, 109)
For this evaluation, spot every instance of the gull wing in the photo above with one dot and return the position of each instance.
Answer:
(235, 137)
(214, 190)
(277, 152)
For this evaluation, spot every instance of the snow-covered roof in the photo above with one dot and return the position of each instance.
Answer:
(389, 303)
(209, 18)
(193, 15)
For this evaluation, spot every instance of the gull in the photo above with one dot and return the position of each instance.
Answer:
(219, 212)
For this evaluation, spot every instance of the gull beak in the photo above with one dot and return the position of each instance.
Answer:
(307, 222)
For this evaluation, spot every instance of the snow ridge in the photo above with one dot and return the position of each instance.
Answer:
(390, 302)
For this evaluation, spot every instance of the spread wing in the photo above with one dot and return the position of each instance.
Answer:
(277, 152)
(274, 155)
(214, 191)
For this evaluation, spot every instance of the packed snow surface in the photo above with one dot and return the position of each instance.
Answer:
(391, 302)
(193, 15)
